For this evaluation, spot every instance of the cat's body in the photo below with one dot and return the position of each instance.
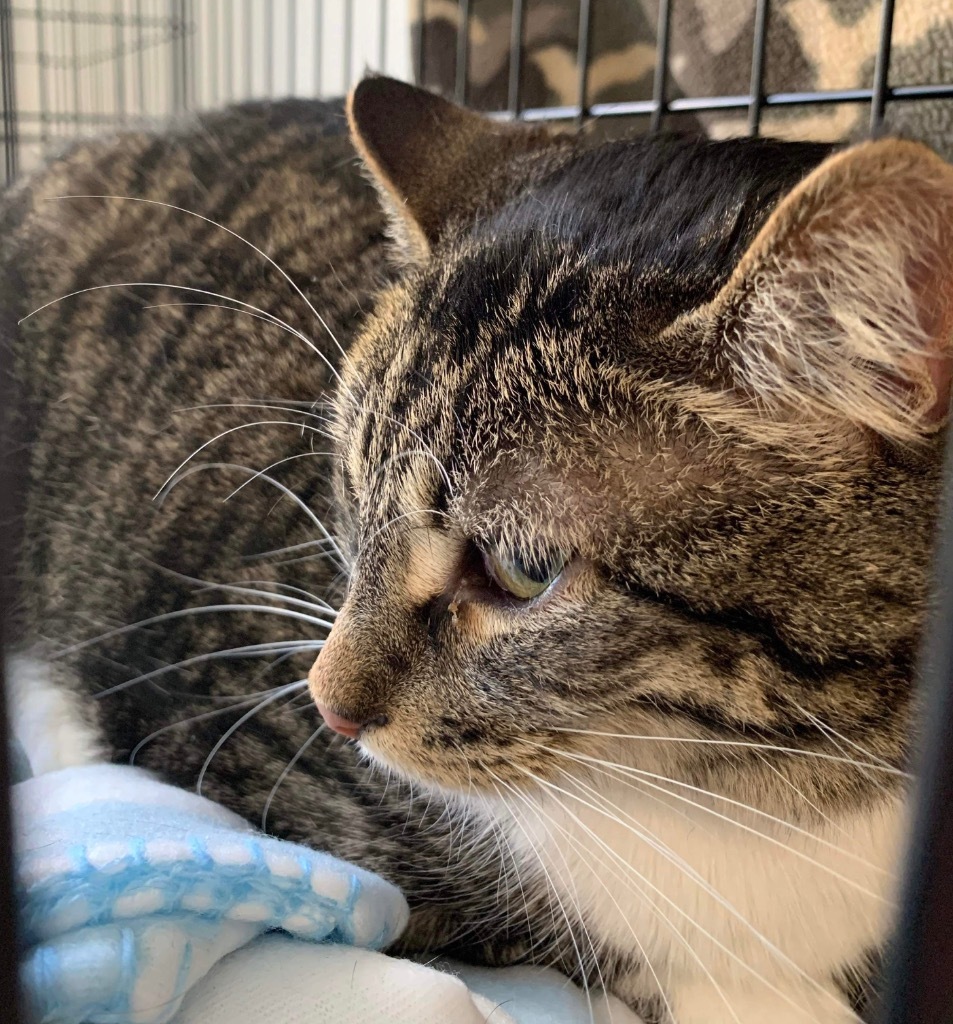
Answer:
(733, 627)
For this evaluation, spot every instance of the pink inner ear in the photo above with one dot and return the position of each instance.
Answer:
(928, 284)
(940, 369)
(846, 294)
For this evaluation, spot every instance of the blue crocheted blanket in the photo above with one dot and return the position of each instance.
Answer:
(132, 890)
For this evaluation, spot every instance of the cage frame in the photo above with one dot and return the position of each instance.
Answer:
(919, 976)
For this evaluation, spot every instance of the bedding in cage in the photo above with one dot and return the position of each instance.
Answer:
(793, 68)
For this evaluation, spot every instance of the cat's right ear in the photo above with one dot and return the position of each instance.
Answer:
(434, 162)
(843, 305)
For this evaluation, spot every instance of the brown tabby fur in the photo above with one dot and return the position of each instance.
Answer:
(563, 357)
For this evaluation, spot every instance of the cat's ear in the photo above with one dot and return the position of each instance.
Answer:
(843, 304)
(433, 161)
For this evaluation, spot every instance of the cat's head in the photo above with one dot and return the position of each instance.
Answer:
(645, 442)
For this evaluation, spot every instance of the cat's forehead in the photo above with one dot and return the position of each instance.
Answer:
(674, 207)
(527, 333)
(529, 432)
(618, 236)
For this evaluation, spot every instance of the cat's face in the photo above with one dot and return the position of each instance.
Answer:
(589, 492)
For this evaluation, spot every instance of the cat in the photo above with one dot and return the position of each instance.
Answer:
(586, 488)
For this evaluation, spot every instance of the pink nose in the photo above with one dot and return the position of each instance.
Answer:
(339, 723)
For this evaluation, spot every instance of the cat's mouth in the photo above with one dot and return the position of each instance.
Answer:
(461, 764)
(454, 755)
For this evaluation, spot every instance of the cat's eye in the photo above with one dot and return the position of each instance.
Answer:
(524, 574)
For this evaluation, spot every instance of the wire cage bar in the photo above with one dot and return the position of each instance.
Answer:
(73, 69)
(920, 970)
(69, 69)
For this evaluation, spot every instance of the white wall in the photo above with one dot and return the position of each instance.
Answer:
(89, 66)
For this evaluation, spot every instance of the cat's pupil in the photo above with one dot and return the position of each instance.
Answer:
(535, 567)
(524, 574)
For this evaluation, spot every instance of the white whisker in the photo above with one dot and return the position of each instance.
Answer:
(313, 600)
(587, 855)
(247, 587)
(831, 732)
(810, 803)
(700, 928)
(771, 748)
(183, 612)
(508, 859)
(642, 776)
(276, 406)
(232, 430)
(426, 452)
(289, 767)
(232, 698)
(238, 702)
(258, 556)
(234, 234)
(315, 604)
(249, 651)
(179, 288)
(426, 449)
(257, 709)
(577, 845)
(397, 519)
(641, 892)
(274, 465)
(317, 556)
(264, 315)
(267, 478)
(554, 892)
(659, 914)
(612, 811)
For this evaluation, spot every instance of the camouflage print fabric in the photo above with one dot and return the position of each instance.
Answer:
(811, 45)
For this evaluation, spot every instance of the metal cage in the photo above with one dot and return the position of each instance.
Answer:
(79, 68)
(70, 69)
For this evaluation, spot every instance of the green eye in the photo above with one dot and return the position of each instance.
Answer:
(524, 574)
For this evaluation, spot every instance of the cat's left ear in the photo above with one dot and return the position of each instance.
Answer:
(434, 162)
(843, 304)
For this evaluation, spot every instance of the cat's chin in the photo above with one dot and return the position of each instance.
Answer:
(423, 776)
(459, 777)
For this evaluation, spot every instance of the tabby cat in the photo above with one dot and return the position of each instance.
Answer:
(602, 476)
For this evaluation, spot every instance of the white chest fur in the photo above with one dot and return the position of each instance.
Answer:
(741, 921)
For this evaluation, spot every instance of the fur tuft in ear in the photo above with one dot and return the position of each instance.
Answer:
(843, 304)
(434, 162)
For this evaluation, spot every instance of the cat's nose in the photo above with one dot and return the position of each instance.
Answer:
(346, 698)
(345, 726)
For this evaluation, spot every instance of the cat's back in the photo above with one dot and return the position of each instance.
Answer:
(157, 319)
(281, 174)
